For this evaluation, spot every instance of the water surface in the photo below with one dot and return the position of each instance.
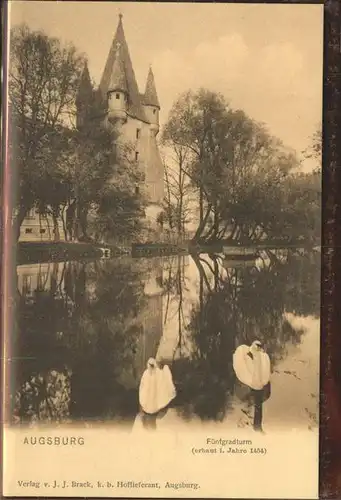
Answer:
(85, 330)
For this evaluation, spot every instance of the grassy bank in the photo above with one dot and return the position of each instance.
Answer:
(36, 251)
(263, 245)
(157, 249)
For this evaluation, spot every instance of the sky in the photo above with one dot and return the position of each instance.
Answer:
(264, 58)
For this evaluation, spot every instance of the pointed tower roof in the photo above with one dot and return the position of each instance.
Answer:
(135, 108)
(118, 77)
(85, 90)
(150, 94)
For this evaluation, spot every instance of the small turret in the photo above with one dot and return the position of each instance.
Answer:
(84, 98)
(151, 103)
(118, 90)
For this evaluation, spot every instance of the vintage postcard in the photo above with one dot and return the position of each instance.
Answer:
(162, 250)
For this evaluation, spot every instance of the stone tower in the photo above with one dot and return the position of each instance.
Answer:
(135, 117)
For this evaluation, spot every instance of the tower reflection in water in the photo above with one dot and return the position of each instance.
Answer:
(103, 314)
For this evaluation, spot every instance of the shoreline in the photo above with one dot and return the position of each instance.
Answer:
(37, 252)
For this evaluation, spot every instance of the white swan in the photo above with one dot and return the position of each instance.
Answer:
(252, 365)
(156, 388)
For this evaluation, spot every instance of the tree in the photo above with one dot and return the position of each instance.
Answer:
(314, 151)
(188, 125)
(298, 213)
(119, 213)
(178, 200)
(236, 166)
(88, 168)
(43, 82)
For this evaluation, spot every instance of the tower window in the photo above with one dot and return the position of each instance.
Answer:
(117, 96)
(138, 131)
(136, 155)
(154, 111)
(137, 190)
(28, 230)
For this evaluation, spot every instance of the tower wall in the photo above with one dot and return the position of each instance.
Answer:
(152, 115)
(142, 137)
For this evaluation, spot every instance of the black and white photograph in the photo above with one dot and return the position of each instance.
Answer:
(166, 170)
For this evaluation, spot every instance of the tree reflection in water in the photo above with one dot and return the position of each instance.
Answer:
(84, 330)
(236, 306)
(88, 325)
(45, 396)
